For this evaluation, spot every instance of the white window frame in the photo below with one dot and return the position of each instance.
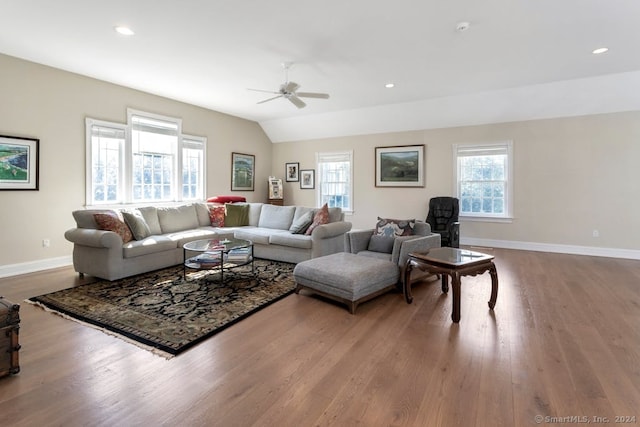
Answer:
(126, 161)
(348, 155)
(89, 124)
(480, 149)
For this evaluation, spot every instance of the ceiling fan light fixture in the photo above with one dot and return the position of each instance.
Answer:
(125, 31)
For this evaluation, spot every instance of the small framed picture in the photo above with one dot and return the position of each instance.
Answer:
(307, 178)
(292, 172)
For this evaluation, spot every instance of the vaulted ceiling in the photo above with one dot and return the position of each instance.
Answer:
(452, 62)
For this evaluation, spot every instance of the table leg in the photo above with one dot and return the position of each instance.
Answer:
(406, 283)
(494, 286)
(445, 283)
(455, 287)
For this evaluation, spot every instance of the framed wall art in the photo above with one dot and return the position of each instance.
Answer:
(292, 172)
(19, 163)
(242, 171)
(400, 166)
(307, 179)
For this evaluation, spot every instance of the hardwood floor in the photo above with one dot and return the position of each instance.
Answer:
(564, 341)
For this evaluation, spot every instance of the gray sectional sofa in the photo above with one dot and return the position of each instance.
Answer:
(104, 254)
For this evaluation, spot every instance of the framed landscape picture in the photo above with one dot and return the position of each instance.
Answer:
(19, 163)
(242, 171)
(307, 178)
(400, 166)
(292, 172)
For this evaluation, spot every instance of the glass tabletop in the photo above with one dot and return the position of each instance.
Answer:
(225, 245)
(452, 256)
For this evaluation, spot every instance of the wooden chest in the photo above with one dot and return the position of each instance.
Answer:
(9, 346)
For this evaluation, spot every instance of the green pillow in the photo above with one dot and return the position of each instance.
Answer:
(137, 224)
(301, 224)
(236, 215)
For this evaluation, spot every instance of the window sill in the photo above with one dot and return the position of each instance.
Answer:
(507, 220)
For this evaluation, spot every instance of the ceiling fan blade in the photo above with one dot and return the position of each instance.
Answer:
(312, 95)
(290, 87)
(296, 101)
(260, 90)
(270, 99)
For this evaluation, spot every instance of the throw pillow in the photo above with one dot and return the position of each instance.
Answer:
(112, 222)
(382, 244)
(301, 224)
(236, 215)
(321, 217)
(395, 227)
(216, 215)
(137, 224)
(226, 199)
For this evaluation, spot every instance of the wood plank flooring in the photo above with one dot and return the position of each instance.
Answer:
(563, 341)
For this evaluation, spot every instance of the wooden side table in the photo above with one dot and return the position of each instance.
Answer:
(452, 262)
(277, 202)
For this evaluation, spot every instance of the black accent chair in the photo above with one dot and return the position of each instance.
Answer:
(443, 218)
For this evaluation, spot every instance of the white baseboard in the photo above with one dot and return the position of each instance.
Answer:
(33, 266)
(554, 248)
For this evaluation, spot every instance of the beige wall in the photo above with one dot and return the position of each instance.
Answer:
(49, 104)
(572, 175)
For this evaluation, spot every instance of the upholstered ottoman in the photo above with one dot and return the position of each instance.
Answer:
(346, 277)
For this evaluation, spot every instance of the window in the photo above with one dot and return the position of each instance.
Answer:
(484, 179)
(335, 179)
(105, 156)
(147, 161)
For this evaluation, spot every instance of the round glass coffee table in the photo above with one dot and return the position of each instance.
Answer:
(217, 254)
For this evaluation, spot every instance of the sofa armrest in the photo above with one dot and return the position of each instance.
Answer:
(332, 229)
(403, 246)
(357, 240)
(94, 238)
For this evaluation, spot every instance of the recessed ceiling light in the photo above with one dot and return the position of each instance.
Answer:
(125, 31)
(462, 26)
(600, 50)
(389, 85)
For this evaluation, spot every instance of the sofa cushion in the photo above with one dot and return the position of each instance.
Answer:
(277, 217)
(335, 214)
(202, 212)
(186, 236)
(292, 240)
(321, 217)
(383, 244)
(85, 217)
(136, 223)
(236, 215)
(395, 227)
(150, 245)
(111, 221)
(177, 218)
(150, 215)
(257, 235)
(300, 225)
(255, 209)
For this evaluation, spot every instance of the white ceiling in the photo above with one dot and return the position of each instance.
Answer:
(518, 59)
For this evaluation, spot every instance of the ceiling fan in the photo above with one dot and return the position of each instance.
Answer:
(289, 90)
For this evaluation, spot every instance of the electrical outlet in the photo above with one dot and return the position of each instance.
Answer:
(46, 243)
(596, 233)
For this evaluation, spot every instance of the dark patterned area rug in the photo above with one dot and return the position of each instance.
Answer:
(162, 311)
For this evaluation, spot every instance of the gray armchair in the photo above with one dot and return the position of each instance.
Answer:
(365, 243)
